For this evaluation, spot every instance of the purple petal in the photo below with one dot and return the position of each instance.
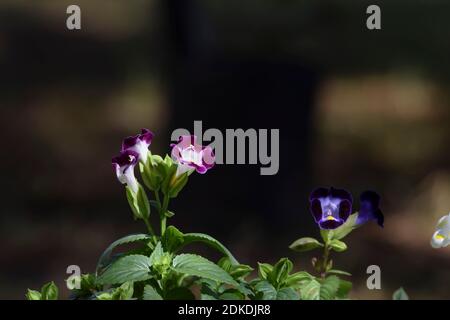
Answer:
(129, 142)
(209, 158)
(341, 194)
(146, 136)
(319, 193)
(345, 209)
(126, 157)
(330, 224)
(316, 209)
(369, 208)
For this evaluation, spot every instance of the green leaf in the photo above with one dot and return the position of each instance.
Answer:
(344, 289)
(337, 245)
(266, 290)
(33, 295)
(178, 184)
(150, 293)
(280, 272)
(287, 294)
(157, 254)
(142, 203)
(346, 228)
(169, 214)
(245, 288)
(124, 292)
(329, 288)
(131, 198)
(400, 294)
(160, 261)
(225, 264)
(104, 296)
(195, 265)
(152, 172)
(105, 257)
(129, 268)
(305, 244)
(339, 272)
(264, 269)
(210, 241)
(49, 291)
(138, 202)
(232, 294)
(311, 290)
(87, 286)
(240, 271)
(298, 277)
(172, 239)
(207, 292)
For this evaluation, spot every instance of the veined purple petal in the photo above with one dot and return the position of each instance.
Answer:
(319, 193)
(123, 165)
(190, 156)
(126, 158)
(330, 224)
(146, 136)
(139, 143)
(369, 208)
(316, 209)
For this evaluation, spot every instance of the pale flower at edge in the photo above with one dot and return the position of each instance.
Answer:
(441, 237)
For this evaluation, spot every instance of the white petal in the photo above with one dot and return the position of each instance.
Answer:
(127, 177)
(437, 241)
(442, 221)
(182, 168)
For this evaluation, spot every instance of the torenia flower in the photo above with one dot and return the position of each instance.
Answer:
(124, 165)
(369, 208)
(330, 207)
(190, 156)
(441, 238)
(139, 144)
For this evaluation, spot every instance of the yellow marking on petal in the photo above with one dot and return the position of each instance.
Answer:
(330, 218)
(439, 237)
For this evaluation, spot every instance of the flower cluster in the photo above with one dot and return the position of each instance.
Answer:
(187, 155)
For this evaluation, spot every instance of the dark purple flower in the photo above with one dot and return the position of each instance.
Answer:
(124, 165)
(330, 207)
(190, 156)
(139, 143)
(369, 208)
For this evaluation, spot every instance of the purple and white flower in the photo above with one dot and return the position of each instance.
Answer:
(190, 156)
(124, 165)
(441, 237)
(139, 144)
(330, 207)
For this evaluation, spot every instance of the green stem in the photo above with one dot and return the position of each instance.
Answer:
(149, 227)
(326, 255)
(158, 200)
(162, 213)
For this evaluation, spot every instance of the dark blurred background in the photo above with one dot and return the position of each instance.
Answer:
(356, 109)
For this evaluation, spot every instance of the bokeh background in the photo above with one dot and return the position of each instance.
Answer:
(356, 109)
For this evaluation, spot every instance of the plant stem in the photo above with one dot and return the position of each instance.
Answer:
(326, 255)
(162, 213)
(158, 200)
(149, 227)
